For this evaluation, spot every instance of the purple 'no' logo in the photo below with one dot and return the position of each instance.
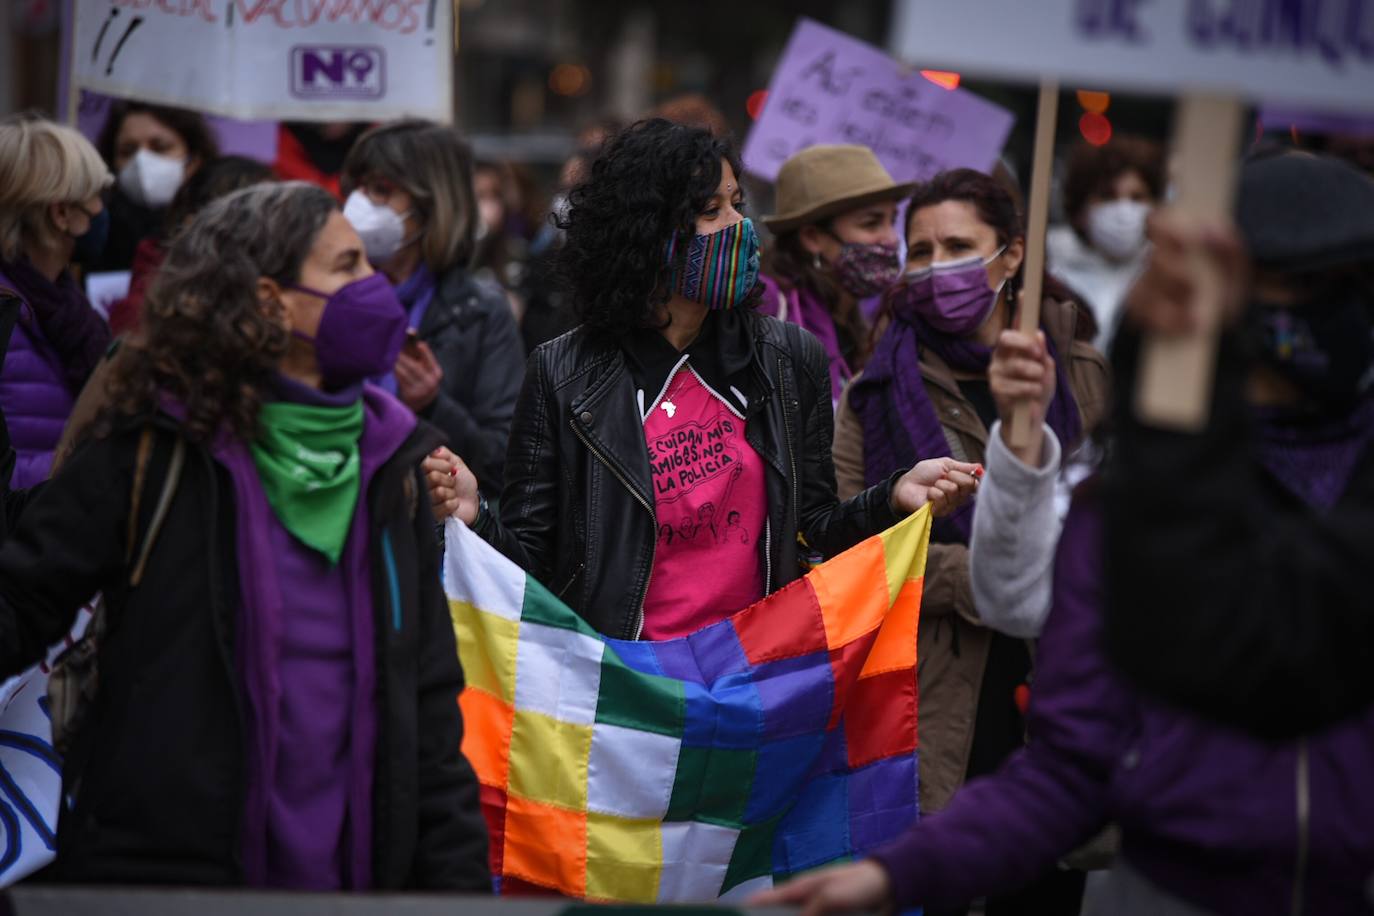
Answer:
(338, 72)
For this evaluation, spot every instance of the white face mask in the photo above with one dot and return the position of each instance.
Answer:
(1117, 228)
(381, 228)
(151, 179)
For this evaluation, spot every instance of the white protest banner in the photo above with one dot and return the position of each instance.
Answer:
(832, 88)
(30, 768)
(1294, 51)
(307, 60)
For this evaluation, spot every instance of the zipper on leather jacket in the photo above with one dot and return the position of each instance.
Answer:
(767, 557)
(653, 549)
(1304, 811)
(571, 579)
(787, 428)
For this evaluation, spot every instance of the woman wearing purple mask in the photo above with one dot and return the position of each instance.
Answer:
(835, 244)
(925, 394)
(676, 404)
(279, 659)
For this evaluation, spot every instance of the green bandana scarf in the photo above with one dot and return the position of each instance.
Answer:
(308, 461)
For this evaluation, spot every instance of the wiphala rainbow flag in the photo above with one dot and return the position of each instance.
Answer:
(773, 742)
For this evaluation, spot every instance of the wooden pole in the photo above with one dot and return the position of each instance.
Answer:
(1175, 386)
(68, 60)
(1037, 219)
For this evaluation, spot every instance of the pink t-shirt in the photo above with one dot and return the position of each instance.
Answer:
(711, 507)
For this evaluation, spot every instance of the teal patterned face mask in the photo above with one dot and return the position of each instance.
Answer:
(721, 268)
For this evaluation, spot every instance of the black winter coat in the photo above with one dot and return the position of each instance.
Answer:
(157, 774)
(473, 334)
(577, 511)
(1227, 594)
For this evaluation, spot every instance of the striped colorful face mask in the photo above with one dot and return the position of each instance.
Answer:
(721, 268)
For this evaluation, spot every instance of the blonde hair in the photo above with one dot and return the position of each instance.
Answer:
(432, 164)
(42, 163)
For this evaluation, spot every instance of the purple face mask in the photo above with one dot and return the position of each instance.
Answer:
(952, 297)
(361, 331)
(866, 270)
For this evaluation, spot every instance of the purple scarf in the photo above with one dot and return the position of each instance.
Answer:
(1314, 457)
(900, 426)
(416, 292)
(387, 426)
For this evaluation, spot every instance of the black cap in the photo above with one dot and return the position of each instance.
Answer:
(1301, 212)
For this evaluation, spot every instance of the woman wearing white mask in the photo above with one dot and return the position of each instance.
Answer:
(152, 150)
(1109, 192)
(411, 199)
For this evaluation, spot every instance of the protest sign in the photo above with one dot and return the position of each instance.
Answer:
(832, 88)
(1297, 51)
(30, 768)
(1308, 121)
(308, 60)
(254, 139)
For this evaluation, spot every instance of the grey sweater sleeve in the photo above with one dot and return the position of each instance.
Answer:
(1015, 530)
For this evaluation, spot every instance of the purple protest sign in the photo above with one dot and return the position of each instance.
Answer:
(832, 88)
(1281, 117)
(255, 139)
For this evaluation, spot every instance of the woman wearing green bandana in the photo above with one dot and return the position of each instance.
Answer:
(277, 692)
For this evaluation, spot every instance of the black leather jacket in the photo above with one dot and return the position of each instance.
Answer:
(577, 511)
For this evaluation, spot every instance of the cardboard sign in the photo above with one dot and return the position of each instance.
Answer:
(307, 60)
(832, 88)
(1294, 51)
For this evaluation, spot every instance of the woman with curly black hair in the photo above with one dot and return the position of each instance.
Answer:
(279, 660)
(669, 455)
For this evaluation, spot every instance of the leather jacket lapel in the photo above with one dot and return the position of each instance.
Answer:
(598, 418)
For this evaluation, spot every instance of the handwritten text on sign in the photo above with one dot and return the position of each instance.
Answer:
(287, 59)
(1318, 52)
(832, 88)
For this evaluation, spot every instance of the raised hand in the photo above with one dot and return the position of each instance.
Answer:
(1022, 373)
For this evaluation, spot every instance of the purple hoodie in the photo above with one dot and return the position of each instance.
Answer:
(1211, 815)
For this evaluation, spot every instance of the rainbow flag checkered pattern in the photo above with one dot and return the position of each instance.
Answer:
(710, 766)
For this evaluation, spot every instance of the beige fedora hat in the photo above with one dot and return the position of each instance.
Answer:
(823, 180)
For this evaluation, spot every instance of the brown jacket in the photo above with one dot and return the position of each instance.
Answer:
(952, 645)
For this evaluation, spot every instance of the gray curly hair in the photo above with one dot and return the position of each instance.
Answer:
(207, 339)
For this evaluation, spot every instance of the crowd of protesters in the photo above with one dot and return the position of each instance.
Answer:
(1142, 651)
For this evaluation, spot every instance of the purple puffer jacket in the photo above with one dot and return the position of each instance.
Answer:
(34, 394)
(1210, 815)
(37, 386)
